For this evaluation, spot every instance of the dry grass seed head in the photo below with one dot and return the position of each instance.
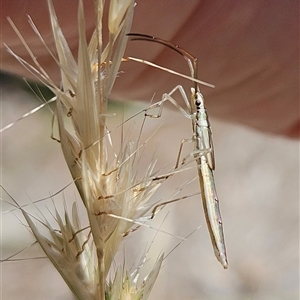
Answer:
(105, 188)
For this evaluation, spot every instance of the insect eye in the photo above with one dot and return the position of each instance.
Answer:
(197, 102)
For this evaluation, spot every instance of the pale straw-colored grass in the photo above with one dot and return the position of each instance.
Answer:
(113, 191)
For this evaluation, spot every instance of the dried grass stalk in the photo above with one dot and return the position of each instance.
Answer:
(107, 187)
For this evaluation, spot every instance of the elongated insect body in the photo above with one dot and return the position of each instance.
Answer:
(206, 165)
(203, 153)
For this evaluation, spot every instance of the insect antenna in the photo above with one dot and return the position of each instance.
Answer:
(191, 59)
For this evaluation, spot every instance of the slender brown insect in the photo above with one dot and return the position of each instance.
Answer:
(204, 152)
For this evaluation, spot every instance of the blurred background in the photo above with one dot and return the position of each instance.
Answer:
(257, 179)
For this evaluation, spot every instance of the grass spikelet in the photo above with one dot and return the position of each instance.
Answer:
(124, 285)
(64, 249)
